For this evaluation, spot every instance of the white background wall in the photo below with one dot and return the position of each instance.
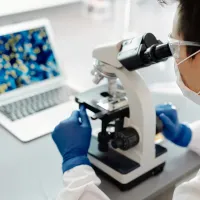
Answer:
(77, 35)
(17, 6)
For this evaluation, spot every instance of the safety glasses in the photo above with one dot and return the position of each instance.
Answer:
(175, 46)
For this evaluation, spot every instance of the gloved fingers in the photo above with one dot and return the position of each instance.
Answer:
(164, 108)
(161, 109)
(169, 110)
(172, 106)
(75, 116)
(84, 117)
(168, 124)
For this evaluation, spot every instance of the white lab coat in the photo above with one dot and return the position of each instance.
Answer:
(81, 182)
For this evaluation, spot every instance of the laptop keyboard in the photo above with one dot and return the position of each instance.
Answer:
(23, 108)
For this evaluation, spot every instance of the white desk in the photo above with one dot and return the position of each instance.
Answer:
(27, 170)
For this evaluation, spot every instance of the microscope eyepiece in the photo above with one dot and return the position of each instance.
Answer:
(142, 52)
(162, 51)
(155, 54)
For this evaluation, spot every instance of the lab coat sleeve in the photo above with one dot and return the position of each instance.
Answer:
(81, 183)
(189, 190)
(195, 141)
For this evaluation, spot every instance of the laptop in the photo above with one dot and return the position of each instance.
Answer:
(34, 95)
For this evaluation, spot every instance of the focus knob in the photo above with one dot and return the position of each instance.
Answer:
(125, 139)
(118, 143)
(103, 139)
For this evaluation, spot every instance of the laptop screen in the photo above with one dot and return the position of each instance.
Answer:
(26, 57)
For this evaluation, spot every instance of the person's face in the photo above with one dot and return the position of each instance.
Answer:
(189, 69)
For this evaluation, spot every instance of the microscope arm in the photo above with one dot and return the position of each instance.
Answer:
(108, 53)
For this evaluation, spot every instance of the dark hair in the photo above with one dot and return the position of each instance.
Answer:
(189, 21)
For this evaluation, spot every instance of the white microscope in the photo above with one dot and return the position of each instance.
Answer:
(125, 149)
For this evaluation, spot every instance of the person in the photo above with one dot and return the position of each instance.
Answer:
(73, 135)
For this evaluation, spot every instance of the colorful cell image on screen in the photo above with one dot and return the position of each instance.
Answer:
(26, 57)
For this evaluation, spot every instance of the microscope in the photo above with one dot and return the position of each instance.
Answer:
(124, 149)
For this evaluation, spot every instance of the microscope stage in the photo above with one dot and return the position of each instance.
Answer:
(95, 100)
(99, 102)
(113, 104)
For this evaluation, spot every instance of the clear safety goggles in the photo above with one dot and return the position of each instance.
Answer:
(175, 46)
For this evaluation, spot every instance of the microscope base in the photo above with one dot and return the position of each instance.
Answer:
(121, 165)
(124, 187)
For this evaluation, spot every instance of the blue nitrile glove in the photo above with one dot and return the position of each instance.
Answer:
(72, 138)
(179, 134)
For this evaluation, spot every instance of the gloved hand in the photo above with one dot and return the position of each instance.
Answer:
(178, 133)
(72, 138)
